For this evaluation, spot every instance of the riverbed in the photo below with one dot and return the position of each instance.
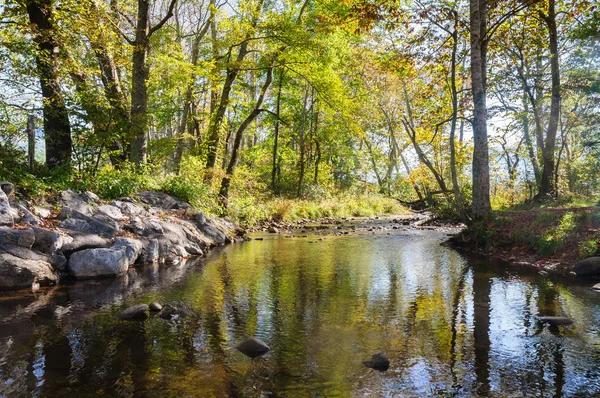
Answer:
(450, 325)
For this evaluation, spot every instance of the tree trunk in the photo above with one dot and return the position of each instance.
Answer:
(457, 195)
(547, 184)
(481, 173)
(224, 191)
(57, 128)
(276, 133)
(31, 143)
(219, 113)
(139, 87)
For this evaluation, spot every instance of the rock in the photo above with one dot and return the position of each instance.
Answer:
(90, 197)
(253, 348)
(155, 307)
(6, 217)
(596, 287)
(100, 224)
(71, 201)
(588, 267)
(111, 211)
(378, 361)
(28, 217)
(176, 310)
(16, 273)
(128, 208)
(152, 251)
(97, 263)
(134, 313)
(41, 211)
(133, 248)
(19, 237)
(273, 230)
(46, 241)
(162, 200)
(82, 241)
(7, 187)
(75, 224)
(556, 320)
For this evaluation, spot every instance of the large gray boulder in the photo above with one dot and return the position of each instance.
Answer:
(162, 200)
(17, 273)
(129, 208)
(99, 224)
(6, 217)
(110, 211)
(18, 237)
(98, 263)
(588, 267)
(133, 248)
(81, 241)
(71, 201)
(47, 241)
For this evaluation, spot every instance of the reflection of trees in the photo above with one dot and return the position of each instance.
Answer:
(481, 328)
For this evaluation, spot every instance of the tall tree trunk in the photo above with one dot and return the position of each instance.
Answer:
(301, 162)
(457, 195)
(213, 134)
(276, 133)
(57, 128)
(481, 169)
(224, 191)
(547, 183)
(139, 86)
(528, 142)
(139, 80)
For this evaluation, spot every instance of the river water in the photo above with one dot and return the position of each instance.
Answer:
(449, 326)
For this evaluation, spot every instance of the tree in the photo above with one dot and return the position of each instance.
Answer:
(57, 127)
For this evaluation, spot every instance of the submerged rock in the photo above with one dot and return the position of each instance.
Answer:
(588, 267)
(135, 313)
(94, 263)
(596, 287)
(155, 307)
(556, 320)
(176, 310)
(253, 348)
(379, 361)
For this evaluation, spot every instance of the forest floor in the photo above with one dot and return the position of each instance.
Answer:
(550, 239)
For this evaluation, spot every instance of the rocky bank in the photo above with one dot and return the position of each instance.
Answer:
(82, 237)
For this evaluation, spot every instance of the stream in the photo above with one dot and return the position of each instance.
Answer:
(450, 325)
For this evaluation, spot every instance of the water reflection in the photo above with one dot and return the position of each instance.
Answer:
(449, 327)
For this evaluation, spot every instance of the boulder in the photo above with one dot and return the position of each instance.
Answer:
(98, 263)
(47, 241)
(19, 237)
(81, 241)
(71, 201)
(28, 217)
(253, 347)
(75, 224)
(155, 307)
(379, 361)
(99, 224)
(6, 217)
(128, 208)
(90, 197)
(556, 320)
(163, 200)
(134, 313)
(7, 187)
(16, 273)
(111, 211)
(133, 248)
(588, 267)
(41, 211)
